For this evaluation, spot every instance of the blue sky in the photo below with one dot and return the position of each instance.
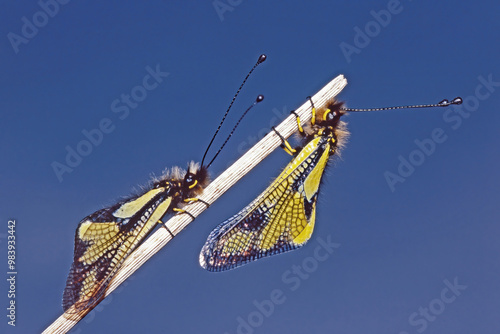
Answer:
(399, 248)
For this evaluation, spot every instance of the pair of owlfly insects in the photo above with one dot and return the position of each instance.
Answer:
(279, 220)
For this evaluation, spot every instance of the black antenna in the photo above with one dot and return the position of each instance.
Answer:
(257, 100)
(444, 103)
(261, 59)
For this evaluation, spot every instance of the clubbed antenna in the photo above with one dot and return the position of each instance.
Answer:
(261, 59)
(257, 100)
(444, 103)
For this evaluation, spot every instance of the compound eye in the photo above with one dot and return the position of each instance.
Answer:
(161, 184)
(191, 181)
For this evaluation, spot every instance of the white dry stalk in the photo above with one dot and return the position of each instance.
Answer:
(213, 191)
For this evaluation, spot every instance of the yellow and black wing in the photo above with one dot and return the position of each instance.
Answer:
(104, 239)
(279, 220)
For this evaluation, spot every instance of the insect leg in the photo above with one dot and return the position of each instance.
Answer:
(299, 126)
(165, 226)
(285, 144)
(183, 211)
(313, 110)
(194, 199)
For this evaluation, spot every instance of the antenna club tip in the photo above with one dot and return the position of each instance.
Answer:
(262, 58)
(259, 98)
(458, 100)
